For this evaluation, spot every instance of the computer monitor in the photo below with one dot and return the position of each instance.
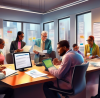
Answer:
(22, 60)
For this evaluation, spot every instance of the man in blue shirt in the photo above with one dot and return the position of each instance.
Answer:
(44, 43)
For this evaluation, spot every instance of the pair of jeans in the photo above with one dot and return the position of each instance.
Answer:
(50, 93)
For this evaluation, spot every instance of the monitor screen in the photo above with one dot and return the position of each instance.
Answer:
(22, 60)
(48, 63)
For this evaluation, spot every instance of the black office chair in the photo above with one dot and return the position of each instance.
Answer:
(78, 81)
(9, 58)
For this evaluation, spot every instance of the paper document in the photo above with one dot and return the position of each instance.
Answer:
(95, 63)
(26, 48)
(35, 73)
(44, 51)
(9, 71)
(36, 48)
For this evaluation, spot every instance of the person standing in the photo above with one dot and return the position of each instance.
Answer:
(18, 44)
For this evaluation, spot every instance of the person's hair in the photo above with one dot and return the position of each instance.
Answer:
(19, 33)
(1, 40)
(92, 37)
(74, 45)
(64, 43)
(44, 32)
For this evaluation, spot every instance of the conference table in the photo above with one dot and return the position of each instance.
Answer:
(22, 79)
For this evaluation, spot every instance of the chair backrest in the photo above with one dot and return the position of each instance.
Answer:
(78, 78)
(53, 55)
(9, 58)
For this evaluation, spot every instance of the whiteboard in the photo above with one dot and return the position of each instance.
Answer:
(96, 32)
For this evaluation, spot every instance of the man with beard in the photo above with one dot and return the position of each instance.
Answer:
(64, 72)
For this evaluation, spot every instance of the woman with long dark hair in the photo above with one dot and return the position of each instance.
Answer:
(18, 44)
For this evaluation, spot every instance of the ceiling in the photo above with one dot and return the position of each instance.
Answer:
(35, 5)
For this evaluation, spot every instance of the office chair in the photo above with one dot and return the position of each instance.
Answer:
(78, 81)
(9, 58)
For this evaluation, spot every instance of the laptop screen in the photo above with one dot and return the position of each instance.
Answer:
(48, 63)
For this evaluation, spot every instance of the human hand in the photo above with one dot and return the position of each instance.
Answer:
(4, 72)
(3, 67)
(56, 61)
(21, 50)
(36, 52)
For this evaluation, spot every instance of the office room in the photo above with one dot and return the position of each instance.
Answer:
(67, 27)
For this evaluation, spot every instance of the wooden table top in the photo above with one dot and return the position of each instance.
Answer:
(91, 68)
(22, 79)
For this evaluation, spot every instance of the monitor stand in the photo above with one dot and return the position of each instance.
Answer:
(46, 69)
(22, 69)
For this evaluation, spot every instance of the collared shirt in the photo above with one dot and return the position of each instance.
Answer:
(65, 70)
(43, 45)
(80, 53)
(19, 45)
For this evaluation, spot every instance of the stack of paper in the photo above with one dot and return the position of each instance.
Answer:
(34, 73)
(9, 71)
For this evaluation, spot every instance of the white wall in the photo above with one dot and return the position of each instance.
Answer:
(6, 14)
(72, 12)
(95, 16)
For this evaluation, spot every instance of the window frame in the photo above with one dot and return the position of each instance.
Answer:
(77, 23)
(58, 24)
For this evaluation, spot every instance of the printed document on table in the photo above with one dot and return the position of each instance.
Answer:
(35, 73)
(9, 71)
(95, 63)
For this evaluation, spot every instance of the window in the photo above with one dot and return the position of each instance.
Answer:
(10, 30)
(49, 27)
(32, 32)
(83, 29)
(64, 29)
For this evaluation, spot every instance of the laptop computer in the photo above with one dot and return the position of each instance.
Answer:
(48, 63)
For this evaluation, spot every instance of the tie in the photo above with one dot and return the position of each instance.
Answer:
(43, 47)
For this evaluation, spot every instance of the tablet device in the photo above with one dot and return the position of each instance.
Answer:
(48, 63)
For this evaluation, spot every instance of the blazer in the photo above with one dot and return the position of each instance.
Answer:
(87, 50)
(48, 46)
(14, 45)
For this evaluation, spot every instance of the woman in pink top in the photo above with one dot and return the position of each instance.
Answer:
(18, 44)
(2, 43)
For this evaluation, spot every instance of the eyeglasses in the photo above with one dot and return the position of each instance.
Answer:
(3, 44)
(88, 40)
(44, 36)
(22, 36)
